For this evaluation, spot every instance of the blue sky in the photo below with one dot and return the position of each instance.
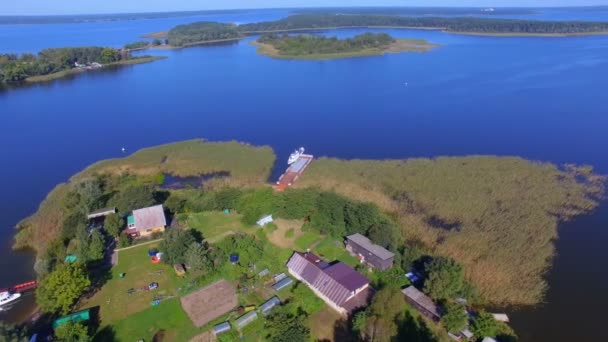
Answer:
(15, 7)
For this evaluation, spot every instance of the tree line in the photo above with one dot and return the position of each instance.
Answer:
(309, 44)
(15, 68)
(200, 32)
(477, 25)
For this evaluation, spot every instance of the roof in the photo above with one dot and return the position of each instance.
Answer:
(338, 290)
(130, 220)
(488, 339)
(246, 319)
(364, 242)
(282, 284)
(101, 212)
(221, 327)
(151, 217)
(269, 305)
(346, 276)
(421, 299)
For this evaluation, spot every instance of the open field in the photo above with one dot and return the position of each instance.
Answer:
(286, 234)
(114, 301)
(210, 302)
(216, 225)
(399, 46)
(496, 216)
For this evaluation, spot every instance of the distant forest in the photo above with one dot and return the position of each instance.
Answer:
(476, 25)
(311, 45)
(183, 35)
(15, 68)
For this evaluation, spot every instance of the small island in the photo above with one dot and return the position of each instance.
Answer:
(310, 47)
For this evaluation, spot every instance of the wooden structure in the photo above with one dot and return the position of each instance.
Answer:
(179, 270)
(421, 302)
(146, 221)
(101, 213)
(369, 253)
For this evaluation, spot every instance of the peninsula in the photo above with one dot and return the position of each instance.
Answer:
(56, 63)
(312, 47)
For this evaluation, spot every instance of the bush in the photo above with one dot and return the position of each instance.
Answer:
(455, 317)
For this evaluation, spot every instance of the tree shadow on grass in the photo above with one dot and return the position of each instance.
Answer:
(106, 334)
(414, 330)
(343, 331)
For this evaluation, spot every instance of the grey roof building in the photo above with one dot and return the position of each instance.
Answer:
(269, 305)
(101, 213)
(282, 284)
(421, 302)
(222, 327)
(246, 319)
(340, 286)
(368, 252)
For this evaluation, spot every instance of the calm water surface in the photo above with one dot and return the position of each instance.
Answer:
(539, 98)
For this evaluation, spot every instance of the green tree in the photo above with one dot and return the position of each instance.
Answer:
(157, 42)
(445, 278)
(109, 55)
(124, 241)
(12, 333)
(72, 332)
(175, 203)
(283, 326)
(196, 258)
(484, 325)
(410, 256)
(134, 197)
(96, 246)
(383, 314)
(176, 243)
(58, 291)
(114, 224)
(455, 317)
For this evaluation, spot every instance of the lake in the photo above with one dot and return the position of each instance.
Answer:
(538, 98)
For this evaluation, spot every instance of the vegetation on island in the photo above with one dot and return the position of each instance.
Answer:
(137, 45)
(449, 24)
(321, 47)
(452, 220)
(484, 212)
(184, 35)
(56, 63)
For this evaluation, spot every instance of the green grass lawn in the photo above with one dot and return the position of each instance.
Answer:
(307, 240)
(331, 249)
(114, 301)
(168, 316)
(217, 225)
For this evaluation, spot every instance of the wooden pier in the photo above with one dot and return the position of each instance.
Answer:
(293, 172)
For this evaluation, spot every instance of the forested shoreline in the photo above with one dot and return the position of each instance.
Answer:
(309, 44)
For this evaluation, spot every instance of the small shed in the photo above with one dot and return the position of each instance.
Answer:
(264, 273)
(222, 327)
(279, 277)
(282, 284)
(101, 213)
(269, 305)
(70, 258)
(264, 220)
(247, 318)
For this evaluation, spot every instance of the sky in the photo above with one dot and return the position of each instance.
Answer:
(44, 7)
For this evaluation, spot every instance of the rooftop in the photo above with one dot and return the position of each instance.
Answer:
(101, 212)
(151, 217)
(421, 299)
(364, 242)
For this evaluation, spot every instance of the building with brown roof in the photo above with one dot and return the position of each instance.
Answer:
(146, 221)
(339, 285)
(421, 302)
(368, 252)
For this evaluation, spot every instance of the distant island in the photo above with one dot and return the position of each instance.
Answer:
(321, 47)
(56, 63)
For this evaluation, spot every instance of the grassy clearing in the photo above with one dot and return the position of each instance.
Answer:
(307, 240)
(286, 233)
(114, 301)
(331, 249)
(168, 316)
(496, 216)
(217, 225)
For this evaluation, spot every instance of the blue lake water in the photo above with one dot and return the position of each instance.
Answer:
(539, 98)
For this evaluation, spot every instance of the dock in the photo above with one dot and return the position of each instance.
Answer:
(293, 172)
(30, 285)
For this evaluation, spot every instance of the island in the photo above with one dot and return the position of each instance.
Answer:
(461, 224)
(56, 63)
(313, 47)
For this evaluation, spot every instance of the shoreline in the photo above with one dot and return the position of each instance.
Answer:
(76, 71)
(399, 46)
(171, 47)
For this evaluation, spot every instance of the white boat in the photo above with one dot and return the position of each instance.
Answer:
(7, 297)
(295, 156)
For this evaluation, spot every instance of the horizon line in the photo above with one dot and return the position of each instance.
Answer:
(295, 8)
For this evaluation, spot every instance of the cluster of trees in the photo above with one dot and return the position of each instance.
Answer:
(137, 45)
(469, 24)
(200, 32)
(310, 45)
(14, 68)
(282, 325)
(325, 212)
